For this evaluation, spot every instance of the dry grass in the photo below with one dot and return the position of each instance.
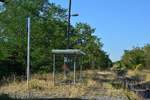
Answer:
(145, 74)
(45, 88)
(42, 86)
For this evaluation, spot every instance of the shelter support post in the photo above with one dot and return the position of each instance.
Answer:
(54, 69)
(81, 68)
(74, 69)
(65, 73)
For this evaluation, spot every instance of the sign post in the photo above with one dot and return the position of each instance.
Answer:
(28, 52)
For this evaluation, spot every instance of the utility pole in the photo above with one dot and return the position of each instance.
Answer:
(69, 25)
(66, 59)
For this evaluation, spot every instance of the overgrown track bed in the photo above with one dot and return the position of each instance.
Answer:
(96, 85)
(136, 84)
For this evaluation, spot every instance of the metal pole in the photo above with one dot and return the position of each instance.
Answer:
(28, 51)
(81, 68)
(54, 69)
(65, 73)
(69, 27)
(74, 69)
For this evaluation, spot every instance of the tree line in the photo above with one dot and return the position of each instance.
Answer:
(137, 58)
(48, 31)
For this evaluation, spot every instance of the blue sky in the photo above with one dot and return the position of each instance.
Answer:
(121, 24)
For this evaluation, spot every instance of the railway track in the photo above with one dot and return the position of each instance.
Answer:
(141, 88)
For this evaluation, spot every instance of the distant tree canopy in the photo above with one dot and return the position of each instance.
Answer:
(48, 31)
(137, 57)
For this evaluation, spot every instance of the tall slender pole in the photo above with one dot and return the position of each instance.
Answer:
(28, 51)
(69, 27)
(74, 67)
(54, 69)
(68, 32)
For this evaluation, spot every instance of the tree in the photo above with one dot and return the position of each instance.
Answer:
(134, 57)
(91, 45)
(119, 68)
(48, 28)
(48, 31)
(146, 49)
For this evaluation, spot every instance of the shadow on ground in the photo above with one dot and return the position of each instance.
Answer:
(7, 97)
